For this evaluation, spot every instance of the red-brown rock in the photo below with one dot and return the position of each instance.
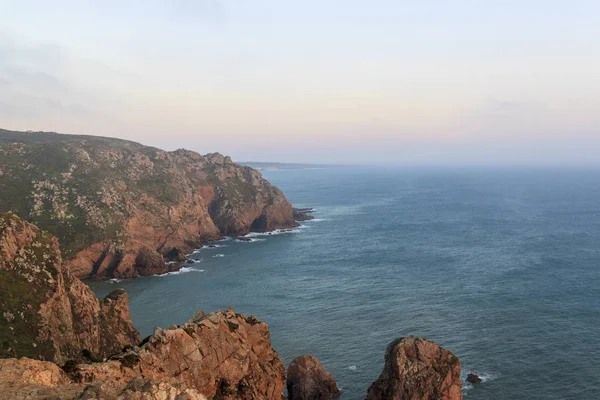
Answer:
(417, 369)
(222, 355)
(107, 199)
(49, 314)
(307, 379)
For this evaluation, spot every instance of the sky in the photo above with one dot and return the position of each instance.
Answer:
(338, 81)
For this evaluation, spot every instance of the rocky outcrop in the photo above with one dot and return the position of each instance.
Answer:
(417, 369)
(473, 378)
(31, 379)
(307, 379)
(46, 312)
(107, 199)
(303, 214)
(222, 355)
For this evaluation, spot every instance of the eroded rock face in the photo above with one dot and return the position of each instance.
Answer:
(31, 379)
(108, 199)
(307, 379)
(222, 355)
(417, 369)
(46, 312)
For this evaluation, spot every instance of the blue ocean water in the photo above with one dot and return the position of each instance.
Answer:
(500, 266)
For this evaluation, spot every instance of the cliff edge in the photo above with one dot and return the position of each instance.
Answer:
(47, 313)
(109, 199)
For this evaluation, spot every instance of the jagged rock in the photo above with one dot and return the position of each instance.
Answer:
(47, 313)
(307, 379)
(150, 262)
(106, 199)
(303, 214)
(221, 355)
(417, 368)
(473, 378)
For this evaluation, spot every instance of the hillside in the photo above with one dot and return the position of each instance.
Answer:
(118, 206)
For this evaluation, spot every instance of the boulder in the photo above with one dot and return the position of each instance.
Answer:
(473, 378)
(307, 379)
(417, 368)
(150, 262)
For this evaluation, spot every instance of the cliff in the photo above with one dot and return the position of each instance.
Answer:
(222, 355)
(46, 312)
(108, 199)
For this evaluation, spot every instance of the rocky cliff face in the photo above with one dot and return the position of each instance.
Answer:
(106, 199)
(46, 312)
(417, 369)
(222, 355)
(307, 379)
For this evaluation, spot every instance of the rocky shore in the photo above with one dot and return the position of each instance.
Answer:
(58, 341)
(121, 209)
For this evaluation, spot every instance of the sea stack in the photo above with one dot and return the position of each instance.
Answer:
(417, 368)
(307, 379)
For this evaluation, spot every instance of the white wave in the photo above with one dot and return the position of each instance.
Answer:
(115, 280)
(219, 255)
(183, 270)
(192, 261)
(252, 240)
(276, 232)
(316, 220)
(206, 247)
(486, 377)
(353, 368)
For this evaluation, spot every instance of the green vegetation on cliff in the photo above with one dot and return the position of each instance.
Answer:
(119, 195)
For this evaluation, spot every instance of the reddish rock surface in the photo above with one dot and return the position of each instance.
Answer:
(417, 369)
(222, 355)
(107, 199)
(46, 312)
(307, 379)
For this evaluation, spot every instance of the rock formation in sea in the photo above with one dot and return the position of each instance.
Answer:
(417, 369)
(108, 199)
(307, 379)
(47, 313)
(473, 378)
(92, 350)
(303, 214)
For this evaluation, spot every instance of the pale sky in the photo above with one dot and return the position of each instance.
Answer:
(447, 81)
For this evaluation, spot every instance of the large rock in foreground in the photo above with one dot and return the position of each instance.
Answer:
(112, 201)
(222, 355)
(417, 369)
(307, 379)
(42, 380)
(48, 314)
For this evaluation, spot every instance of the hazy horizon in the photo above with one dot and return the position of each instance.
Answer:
(312, 82)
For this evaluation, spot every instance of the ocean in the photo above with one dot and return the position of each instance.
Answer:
(499, 265)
